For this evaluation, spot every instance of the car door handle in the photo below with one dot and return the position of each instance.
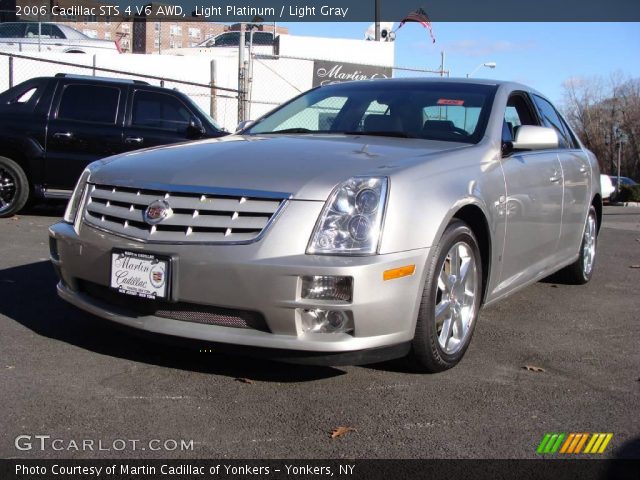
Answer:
(67, 135)
(556, 177)
(584, 169)
(133, 140)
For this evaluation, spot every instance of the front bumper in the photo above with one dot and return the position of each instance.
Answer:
(258, 277)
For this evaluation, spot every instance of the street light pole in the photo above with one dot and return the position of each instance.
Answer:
(486, 64)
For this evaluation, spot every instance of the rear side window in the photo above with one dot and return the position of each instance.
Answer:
(552, 119)
(89, 103)
(159, 110)
(21, 95)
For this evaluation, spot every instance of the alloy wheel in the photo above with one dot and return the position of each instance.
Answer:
(455, 308)
(589, 245)
(7, 189)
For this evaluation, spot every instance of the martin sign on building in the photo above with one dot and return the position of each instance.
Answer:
(327, 72)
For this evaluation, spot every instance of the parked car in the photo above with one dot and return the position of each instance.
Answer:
(51, 128)
(263, 42)
(606, 186)
(50, 37)
(232, 39)
(624, 181)
(360, 221)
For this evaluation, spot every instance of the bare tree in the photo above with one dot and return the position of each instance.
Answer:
(605, 114)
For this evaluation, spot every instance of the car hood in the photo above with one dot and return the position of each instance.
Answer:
(306, 167)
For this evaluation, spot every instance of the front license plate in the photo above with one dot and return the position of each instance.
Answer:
(140, 274)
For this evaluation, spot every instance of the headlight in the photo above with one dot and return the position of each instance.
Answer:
(351, 221)
(71, 212)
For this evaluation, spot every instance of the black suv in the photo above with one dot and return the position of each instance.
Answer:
(51, 128)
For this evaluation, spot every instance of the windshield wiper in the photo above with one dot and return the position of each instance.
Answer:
(291, 130)
(381, 134)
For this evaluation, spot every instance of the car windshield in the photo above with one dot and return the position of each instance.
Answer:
(447, 111)
(623, 181)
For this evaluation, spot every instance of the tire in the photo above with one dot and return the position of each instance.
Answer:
(14, 188)
(433, 349)
(581, 271)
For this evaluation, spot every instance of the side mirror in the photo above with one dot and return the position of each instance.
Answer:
(195, 128)
(244, 124)
(531, 137)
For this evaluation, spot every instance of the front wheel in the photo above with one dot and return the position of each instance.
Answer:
(450, 301)
(580, 272)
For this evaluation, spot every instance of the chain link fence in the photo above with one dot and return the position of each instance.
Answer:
(195, 79)
(274, 79)
(265, 82)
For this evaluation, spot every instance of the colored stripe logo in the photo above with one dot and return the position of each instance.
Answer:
(574, 443)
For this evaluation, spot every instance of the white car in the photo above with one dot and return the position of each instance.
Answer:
(50, 37)
(263, 43)
(606, 186)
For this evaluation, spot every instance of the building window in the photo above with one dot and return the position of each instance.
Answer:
(175, 29)
(194, 33)
(107, 35)
(157, 26)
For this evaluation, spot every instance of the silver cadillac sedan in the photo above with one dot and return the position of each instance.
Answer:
(358, 222)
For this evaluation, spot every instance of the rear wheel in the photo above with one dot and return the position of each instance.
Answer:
(580, 272)
(14, 187)
(450, 301)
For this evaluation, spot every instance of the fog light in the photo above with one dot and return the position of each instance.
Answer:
(326, 321)
(320, 287)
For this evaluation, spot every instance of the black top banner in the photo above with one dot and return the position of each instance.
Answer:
(330, 10)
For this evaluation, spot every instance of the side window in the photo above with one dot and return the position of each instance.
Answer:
(517, 113)
(228, 39)
(551, 119)
(159, 110)
(21, 94)
(25, 96)
(53, 31)
(12, 30)
(89, 103)
(262, 38)
(35, 29)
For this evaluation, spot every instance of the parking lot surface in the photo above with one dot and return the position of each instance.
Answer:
(69, 375)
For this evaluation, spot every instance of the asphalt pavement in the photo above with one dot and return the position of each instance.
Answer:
(70, 376)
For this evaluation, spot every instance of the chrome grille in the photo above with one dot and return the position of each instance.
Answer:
(197, 217)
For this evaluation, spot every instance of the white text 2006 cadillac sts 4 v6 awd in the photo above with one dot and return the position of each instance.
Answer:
(358, 222)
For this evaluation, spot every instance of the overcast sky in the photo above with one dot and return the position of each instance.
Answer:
(542, 55)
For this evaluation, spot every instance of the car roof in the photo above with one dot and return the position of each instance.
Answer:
(418, 81)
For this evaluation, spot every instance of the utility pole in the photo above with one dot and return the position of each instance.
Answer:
(241, 76)
(619, 162)
(377, 19)
(442, 63)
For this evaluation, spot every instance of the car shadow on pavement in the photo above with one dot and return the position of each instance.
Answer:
(28, 296)
(52, 208)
